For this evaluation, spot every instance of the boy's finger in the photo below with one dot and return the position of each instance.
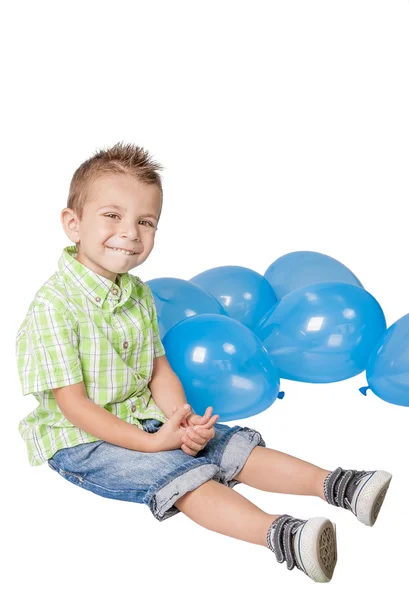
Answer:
(207, 415)
(209, 424)
(187, 450)
(195, 443)
(205, 433)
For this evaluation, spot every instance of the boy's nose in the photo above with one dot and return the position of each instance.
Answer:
(132, 235)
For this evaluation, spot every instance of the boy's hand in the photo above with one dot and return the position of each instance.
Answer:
(199, 430)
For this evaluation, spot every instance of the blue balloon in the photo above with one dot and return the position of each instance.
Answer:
(298, 269)
(388, 367)
(221, 363)
(322, 332)
(178, 299)
(244, 294)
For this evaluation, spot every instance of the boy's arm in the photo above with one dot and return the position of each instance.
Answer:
(166, 387)
(96, 420)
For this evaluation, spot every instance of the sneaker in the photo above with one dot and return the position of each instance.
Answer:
(310, 545)
(361, 492)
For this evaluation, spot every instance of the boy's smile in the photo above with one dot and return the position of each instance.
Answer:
(120, 216)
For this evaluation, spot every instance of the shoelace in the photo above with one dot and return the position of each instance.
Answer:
(284, 528)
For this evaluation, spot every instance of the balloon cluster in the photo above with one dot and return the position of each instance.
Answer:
(231, 334)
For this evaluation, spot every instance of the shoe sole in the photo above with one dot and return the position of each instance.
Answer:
(371, 496)
(316, 547)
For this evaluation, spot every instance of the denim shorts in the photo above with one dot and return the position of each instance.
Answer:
(157, 479)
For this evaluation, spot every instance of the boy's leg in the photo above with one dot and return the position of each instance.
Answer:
(221, 509)
(361, 492)
(309, 545)
(273, 471)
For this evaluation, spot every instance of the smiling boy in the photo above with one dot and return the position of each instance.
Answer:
(111, 415)
(112, 219)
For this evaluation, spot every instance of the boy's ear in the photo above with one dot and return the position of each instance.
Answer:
(70, 223)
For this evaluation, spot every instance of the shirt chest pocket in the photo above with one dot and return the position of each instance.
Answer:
(127, 337)
(139, 350)
(133, 340)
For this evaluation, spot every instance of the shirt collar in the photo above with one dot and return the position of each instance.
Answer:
(95, 286)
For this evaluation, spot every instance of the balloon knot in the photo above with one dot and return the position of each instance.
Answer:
(280, 395)
(364, 389)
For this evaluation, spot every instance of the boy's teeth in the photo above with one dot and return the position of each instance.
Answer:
(123, 251)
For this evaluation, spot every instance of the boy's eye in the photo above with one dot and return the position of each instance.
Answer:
(114, 215)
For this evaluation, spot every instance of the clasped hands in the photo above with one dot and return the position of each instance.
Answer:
(199, 430)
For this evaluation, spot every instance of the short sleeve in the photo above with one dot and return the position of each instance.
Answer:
(47, 351)
(157, 343)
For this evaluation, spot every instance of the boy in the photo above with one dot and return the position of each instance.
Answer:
(112, 416)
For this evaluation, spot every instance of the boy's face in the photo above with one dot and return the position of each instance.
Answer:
(120, 212)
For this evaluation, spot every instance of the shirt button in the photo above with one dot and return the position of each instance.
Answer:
(114, 291)
(125, 344)
(98, 299)
(133, 408)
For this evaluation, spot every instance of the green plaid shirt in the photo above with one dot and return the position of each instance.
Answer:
(83, 327)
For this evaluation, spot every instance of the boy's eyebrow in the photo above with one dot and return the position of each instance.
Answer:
(121, 208)
(110, 206)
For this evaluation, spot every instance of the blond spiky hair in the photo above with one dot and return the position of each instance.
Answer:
(120, 159)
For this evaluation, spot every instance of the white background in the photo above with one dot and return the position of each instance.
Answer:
(282, 126)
